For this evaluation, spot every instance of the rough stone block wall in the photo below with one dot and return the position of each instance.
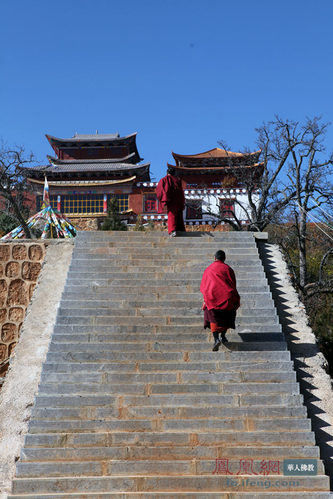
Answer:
(20, 265)
(190, 228)
(91, 223)
(84, 223)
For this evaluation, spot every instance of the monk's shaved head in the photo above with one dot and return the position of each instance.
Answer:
(220, 255)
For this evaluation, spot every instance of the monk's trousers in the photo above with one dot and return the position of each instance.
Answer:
(175, 220)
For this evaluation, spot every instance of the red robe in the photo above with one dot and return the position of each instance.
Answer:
(218, 287)
(170, 194)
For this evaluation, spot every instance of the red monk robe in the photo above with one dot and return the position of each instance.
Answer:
(221, 298)
(170, 194)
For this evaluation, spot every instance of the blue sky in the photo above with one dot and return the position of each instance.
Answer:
(183, 74)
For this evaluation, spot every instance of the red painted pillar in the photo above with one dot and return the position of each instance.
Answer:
(105, 203)
(59, 203)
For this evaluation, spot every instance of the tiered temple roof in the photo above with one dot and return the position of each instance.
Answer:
(97, 146)
(89, 157)
(215, 160)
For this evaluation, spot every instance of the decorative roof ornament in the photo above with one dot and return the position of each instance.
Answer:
(46, 194)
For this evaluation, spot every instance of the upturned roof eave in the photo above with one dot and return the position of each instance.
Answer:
(92, 138)
(57, 161)
(227, 154)
(54, 172)
(58, 143)
(214, 168)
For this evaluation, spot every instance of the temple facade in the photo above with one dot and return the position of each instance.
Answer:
(87, 170)
(215, 184)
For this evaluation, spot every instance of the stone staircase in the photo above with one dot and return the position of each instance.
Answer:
(133, 403)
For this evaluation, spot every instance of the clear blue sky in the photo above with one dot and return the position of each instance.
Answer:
(183, 74)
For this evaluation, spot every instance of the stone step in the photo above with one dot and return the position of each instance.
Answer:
(183, 302)
(186, 358)
(171, 378)
(160, 329)
(153, 367)
(171, 400)
(241, 345)
(154, 320)
(198, 340)
(176, 268)
(154, 345)
(139, 249)
(188, 355)
(114, 291)
(182, 425)
(180, 298)
(100, 277)
(167, 261)
(163, 244)
(180, 494)
(93, 287)
(242, 274)
(157, 412)
(161, 388)
(164, 265)
(101, 247)
(112, 467)
(158, 483)
(94, 236)
(172, 439)
(95, 291)
(250, 315)
(111, 287)
(172, 274)
(164, 453)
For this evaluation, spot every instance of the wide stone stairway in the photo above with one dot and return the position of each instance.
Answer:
(132, 401)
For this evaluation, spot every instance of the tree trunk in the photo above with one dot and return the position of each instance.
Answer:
(303, 277)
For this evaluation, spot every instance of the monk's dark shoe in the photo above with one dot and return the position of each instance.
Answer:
(216, 345)
(224, 338)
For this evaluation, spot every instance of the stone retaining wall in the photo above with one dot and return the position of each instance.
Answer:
(84, 223)
(189, 228)
(20, 265)
(92, 223)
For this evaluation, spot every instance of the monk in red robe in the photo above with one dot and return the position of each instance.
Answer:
(170, 194)
(221, 298)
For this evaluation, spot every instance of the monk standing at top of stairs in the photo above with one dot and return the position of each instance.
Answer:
(170, 194)
(221, 298)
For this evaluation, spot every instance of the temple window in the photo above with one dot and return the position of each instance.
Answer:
(122, 201)
(150, 203)
(194, 209)
(227, 208)
(39, 202)
(82, 203)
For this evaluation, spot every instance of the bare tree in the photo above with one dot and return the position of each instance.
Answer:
(13, 183)
(291, 181)
(268, 192)
(268, 185)
(310, 175)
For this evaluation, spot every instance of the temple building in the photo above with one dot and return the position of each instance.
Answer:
(86, 170)
(215, 183)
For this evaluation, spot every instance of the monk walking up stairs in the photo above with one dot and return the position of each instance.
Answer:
(132, 401)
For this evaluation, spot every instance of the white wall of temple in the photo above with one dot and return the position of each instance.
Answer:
(210, 199)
